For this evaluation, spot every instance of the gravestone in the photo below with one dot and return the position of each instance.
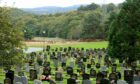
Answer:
(18, 83)
(114, 67)
(48, 48)
(86, 76)
(99, 77)
(17, 79)
(72, 62)
(128, 76)
(58, 76)
(88, 65)
(97, 65)
(104, 73)
(36, 67)
(103, 68)
(24, 80)
(92, 62)
(113, 76)
(7, 81)
(10, 75)
(18, 68)
(85, 59)
(33, 74)
(69, 70)
(69, 48)
(37, 81)
(27, 67)
(20, 73)
(133, 65)
(92, 73)
(71, 81)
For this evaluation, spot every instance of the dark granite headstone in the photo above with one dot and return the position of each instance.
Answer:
(69, 70)
(113, 76)
(10, 75)
(128, 76)
(84, 59)
(97, 65)
(92, 73)
(88, 65)
(33, 74)
(86, 76)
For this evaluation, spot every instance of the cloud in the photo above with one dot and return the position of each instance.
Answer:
(61, 3)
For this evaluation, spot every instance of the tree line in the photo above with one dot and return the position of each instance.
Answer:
(90, 22)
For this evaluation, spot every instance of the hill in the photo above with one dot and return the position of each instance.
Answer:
(50, 9)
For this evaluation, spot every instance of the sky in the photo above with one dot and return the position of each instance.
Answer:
(59, 3)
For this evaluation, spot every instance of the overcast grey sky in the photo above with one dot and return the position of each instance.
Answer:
(60, 3)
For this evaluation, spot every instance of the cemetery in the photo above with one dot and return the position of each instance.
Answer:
(92, 43)
(71, 65)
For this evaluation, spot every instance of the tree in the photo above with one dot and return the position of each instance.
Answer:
(91, 24)
(124, 35)
(10, 40)
(92, 6)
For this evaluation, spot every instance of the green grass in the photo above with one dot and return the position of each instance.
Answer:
(86, 45)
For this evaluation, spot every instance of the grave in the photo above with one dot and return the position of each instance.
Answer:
(36, 81)
(10, 75)
(33, 74)
(69, 70)
(7, 81)
(92, 73)
(58, 76)
(128, 76)
(113, 76)
(97, 65)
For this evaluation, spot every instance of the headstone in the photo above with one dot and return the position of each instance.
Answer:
(33, 74)
(88, 65)
(92, 73)
(7, 81)
(84, 59)
(113, 76)
(97, 65)
(24, 80)
(69, 70)
(37, 81)
(103, 68)
(20, 73)
(86, 76)
(99, 77)
(27, 67)
(114, 67)
(136, 82)
(17, 79)
(58, 76)
(86, 81)
(104, 73)
(69, 48)
(18, 68)
(92, 62)
(72, 62)
(10, 75)
(134, 65)
(71, 81)
(128, 76)
(18, 83)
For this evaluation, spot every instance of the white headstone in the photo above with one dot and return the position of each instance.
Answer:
(37, 81)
